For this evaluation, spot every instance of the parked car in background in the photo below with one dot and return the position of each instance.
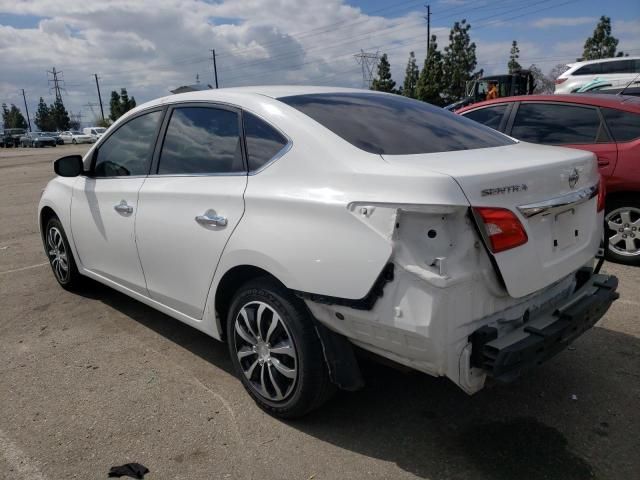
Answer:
(94, 132)
(37, 140)
(607, 125)
(76, 137)
(56, 136)
(11, 137)
(618, 72)
(286, 222)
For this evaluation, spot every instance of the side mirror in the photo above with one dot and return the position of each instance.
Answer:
(69, 166)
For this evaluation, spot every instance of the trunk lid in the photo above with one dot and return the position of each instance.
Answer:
(527, 179)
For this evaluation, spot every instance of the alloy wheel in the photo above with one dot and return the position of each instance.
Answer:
(624, 231)
(266, 351)
(57, 253)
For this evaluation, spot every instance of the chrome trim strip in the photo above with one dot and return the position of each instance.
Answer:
(549, 206)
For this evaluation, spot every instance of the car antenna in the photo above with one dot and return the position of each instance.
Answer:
(629, 84)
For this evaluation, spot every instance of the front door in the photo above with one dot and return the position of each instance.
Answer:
(105, 203)
(188, 209)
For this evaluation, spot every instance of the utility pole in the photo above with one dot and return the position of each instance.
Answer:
(215, 69)
(428, 19)
(26, 108)
(99, 97)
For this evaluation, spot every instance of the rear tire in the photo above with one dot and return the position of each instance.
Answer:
(74, 141)
(275, 350)
(622, 227)
(58, 251)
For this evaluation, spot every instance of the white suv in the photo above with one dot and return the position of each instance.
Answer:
(617, 72)
(296, 223)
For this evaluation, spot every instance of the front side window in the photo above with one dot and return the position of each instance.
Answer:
(624, 126)
(393, 124)
(556, 124)
(263, 141)
(489, 116)
(201, 140)
(128, 150)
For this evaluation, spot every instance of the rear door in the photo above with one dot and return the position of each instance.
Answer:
(191, 203)
(567, 125)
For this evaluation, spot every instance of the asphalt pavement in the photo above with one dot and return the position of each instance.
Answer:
(95, 379)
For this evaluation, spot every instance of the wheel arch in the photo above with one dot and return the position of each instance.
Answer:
(229, 284)
(46, 214)
(622, 196)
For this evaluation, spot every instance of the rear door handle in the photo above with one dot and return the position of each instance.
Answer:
(603, 163)
(122, 207)
(216, 220)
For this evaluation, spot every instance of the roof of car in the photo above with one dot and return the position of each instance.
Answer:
(620, 102)
(601, 60)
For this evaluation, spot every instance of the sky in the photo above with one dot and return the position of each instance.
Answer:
(152, 46)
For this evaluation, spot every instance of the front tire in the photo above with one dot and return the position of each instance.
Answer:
(275, 350)
(58, 251)
(74, 141)
(622, 225)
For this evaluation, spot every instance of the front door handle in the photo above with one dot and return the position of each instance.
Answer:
(122, 207)
(216, 220)
(602, 162)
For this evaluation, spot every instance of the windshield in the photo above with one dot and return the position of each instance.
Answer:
(99, 130)
(393, 124)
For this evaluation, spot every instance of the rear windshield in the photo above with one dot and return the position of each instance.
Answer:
(394, 125)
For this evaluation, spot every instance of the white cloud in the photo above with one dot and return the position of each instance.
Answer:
(151, 46)
(550, 22)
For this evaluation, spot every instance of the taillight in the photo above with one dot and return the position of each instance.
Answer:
(602, 192)
(502, 228)
(560, 80)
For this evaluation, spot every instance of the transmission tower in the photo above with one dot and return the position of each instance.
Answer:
(368, 62)
(91, 105)
(55, 83)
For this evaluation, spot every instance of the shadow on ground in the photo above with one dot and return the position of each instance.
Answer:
(533, 429)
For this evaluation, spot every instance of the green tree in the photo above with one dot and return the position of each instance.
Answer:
(43, 119)
(459, 61)
(383, 81)
(513, 64)
(411, 75)
(59, 115)
(114, 106)
(430, 81)
(120, 104)
(602, 44)
(12, 117)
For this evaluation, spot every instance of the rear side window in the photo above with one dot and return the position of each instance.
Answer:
(618, 66)
(624, 126)
(556, 124)
(592, 69)
(128, 150)
(201, 140)
(489, 116)
(263, 141)
(393, 124)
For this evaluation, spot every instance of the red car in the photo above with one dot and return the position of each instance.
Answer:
(607, 125)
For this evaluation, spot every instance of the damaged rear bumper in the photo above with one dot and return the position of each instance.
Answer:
(507, 357)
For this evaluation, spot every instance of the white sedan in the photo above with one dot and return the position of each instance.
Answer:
(296, 222)
(75, 137)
